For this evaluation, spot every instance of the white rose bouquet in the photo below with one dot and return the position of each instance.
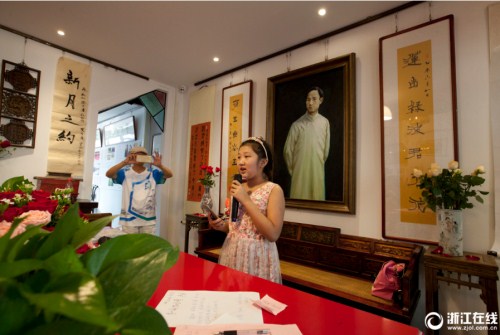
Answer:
(449, 188)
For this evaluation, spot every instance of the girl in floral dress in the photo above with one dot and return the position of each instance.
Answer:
(250, 243)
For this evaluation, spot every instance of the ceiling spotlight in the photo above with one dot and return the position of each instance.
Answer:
(216, 59)
(322, 12)
(61, 33)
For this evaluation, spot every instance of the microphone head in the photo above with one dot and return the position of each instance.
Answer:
(238, 177)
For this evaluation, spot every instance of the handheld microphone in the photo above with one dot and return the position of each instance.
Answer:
(235, 203)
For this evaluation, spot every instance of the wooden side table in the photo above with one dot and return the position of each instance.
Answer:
(441, 268)
(193, 221)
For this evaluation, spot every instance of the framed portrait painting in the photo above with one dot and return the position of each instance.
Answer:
(236, 127)
(418, 117)
(311, 127)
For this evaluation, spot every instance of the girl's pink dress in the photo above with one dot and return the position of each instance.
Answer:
(245, 249)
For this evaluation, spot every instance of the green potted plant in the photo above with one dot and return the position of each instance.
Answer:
(46, 287)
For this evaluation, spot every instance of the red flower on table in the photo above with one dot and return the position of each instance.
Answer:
(5, 144)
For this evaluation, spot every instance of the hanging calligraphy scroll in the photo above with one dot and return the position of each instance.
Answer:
(69, 117)
(198, 155)
(19, 103)
(236, 127)
(418, 116)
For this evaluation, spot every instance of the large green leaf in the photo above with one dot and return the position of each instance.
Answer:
(127, 247)
(63, 262)
(46, 288)
(89, 230)
(132, 281)
(5, 240)
(130, 268)
(14, 269)
(147, 321)
(20, 242)
(31, 246)
(76, 296)
(15, 311)
(65, 327)
(64, 231)
(11, 184)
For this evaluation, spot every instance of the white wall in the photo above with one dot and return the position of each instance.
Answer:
(471, 49)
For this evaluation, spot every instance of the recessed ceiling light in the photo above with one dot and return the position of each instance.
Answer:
(216, 59)
(322, 12)
(61, 33)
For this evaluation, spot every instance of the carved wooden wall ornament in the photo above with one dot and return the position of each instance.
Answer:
(19, 103)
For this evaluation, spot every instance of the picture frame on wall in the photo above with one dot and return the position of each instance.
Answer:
(326, 142)
(236, 126)
(120, 131)
(418, 118)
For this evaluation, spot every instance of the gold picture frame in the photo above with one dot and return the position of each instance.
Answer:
(286, 103)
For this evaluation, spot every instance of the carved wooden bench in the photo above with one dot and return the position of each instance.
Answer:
(322, 261)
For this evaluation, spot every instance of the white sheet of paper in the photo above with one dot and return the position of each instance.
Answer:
(204, 307)
(211, 329)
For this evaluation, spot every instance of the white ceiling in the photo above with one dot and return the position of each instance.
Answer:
(173, 42)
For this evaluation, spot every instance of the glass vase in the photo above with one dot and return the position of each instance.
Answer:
(451, 231)
(206, 200)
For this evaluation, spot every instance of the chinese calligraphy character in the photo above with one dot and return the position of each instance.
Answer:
(413, 59)
(414, 129)
(414, 152)
(413, 82)
(70, 80)
(415, 107)
(71, 101)
(69, 119)
(417, 205)
(63, 136)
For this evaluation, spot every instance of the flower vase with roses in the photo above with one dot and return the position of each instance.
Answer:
(447, 192)
(46, 287)
(208, 181)
(450, 188)
(209, 174)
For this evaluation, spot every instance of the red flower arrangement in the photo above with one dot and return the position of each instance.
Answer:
(210, 173)
(18, 199)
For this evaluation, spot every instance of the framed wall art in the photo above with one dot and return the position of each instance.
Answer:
(236, 127)
(199, 150)
(311, 127)
(418, 98)
(19, 103)
(120, 131)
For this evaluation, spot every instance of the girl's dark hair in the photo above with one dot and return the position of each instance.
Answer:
(258, 145)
